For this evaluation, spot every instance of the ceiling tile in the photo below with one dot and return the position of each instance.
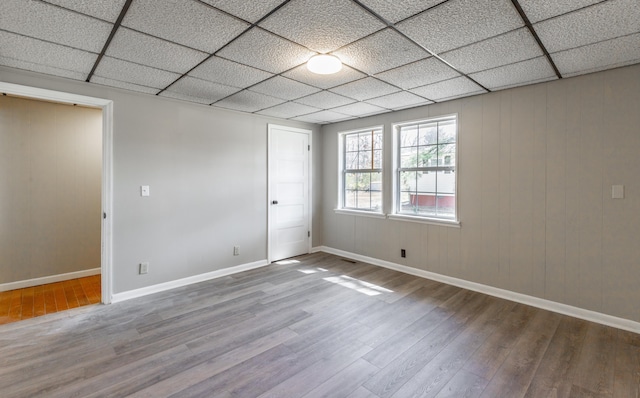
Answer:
(288, 110)
(147, 50)
(537, 10)
(246, 101)
(401, 100)
(525, 72)
(36, 51)
(360, 109)
(116, 69)
(189, 23)
(281, 87)
(107, 10)
(590, 25)
(184, 97)
(266, 51)
(201, 91)
(302, 74)
(460, 22)
(449, 89)
(54, 24)
(379, 52)
(418, 73)
(322, 26)
(325, 100)
(46, 69)
(604, 55)
(365, 89)
(229, 73)
(250, 11)
(514, 46)
(323, 117)
(124, 85)
(397, 10)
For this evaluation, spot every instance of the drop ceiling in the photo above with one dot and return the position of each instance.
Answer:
(250, 56)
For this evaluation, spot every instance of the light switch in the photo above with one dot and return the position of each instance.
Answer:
(144, 190)
(617, 191)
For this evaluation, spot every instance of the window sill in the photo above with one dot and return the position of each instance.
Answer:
(371, 214)
(425, 220)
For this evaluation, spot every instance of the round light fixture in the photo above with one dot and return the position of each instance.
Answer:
(324, 64)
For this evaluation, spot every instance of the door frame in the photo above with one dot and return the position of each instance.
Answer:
(106, 266)
(309, 133)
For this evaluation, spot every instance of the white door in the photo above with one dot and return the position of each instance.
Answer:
(289, 198)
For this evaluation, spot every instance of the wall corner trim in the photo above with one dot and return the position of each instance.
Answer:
(564, 309)
(161, 287)
(48, 279)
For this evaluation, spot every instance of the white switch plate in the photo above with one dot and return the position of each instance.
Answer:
(617, 191)
(236, 250)
(144, 268)
(144, 190)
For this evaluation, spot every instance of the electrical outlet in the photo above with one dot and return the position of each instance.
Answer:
(236, 250)
(403, 253)
(144, 268)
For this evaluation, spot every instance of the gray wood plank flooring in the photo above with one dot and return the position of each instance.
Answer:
(317, 327)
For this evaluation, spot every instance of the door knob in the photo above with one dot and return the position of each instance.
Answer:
(274, 202)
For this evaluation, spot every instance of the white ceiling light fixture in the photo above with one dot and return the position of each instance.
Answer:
(324, 64)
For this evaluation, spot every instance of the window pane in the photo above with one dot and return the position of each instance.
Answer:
(364, 200)
(409, 157)
(351, 160)
(427, 155)
(364, 160)
(428, 134)
(377, 140)
(350, 181)
(446, 206)
(364, 140)
(408, 180)
(350, 198)
(447, 155)
(409, 136)
(446, 182)
(376, 191)
(407, 191)
(426, 182)
(364, 181)
(377, 159)
(447, 131)
(351, 144)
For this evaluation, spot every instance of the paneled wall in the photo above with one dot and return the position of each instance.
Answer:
(536, 167)
(50, 188)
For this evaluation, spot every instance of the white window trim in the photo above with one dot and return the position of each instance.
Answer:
(425, 220)
(363, 213)
(394, 215)
(339, 209)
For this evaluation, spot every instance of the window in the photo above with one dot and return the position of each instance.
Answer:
(425, 178)
(361, 170)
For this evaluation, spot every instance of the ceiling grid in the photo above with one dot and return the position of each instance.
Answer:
(250, 56)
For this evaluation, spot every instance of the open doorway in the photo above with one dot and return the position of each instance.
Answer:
(99, 254)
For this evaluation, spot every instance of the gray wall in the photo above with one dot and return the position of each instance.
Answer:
(207, 171)
(536, 166)
(50, 188)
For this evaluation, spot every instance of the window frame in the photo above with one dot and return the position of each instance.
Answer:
(397, 169)
(342, 172)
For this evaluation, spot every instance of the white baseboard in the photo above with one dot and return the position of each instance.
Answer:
(48, 279)
(549, 305)
(161, 287)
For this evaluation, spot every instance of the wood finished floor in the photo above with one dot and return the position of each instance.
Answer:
(19, 304)
(319, 327)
